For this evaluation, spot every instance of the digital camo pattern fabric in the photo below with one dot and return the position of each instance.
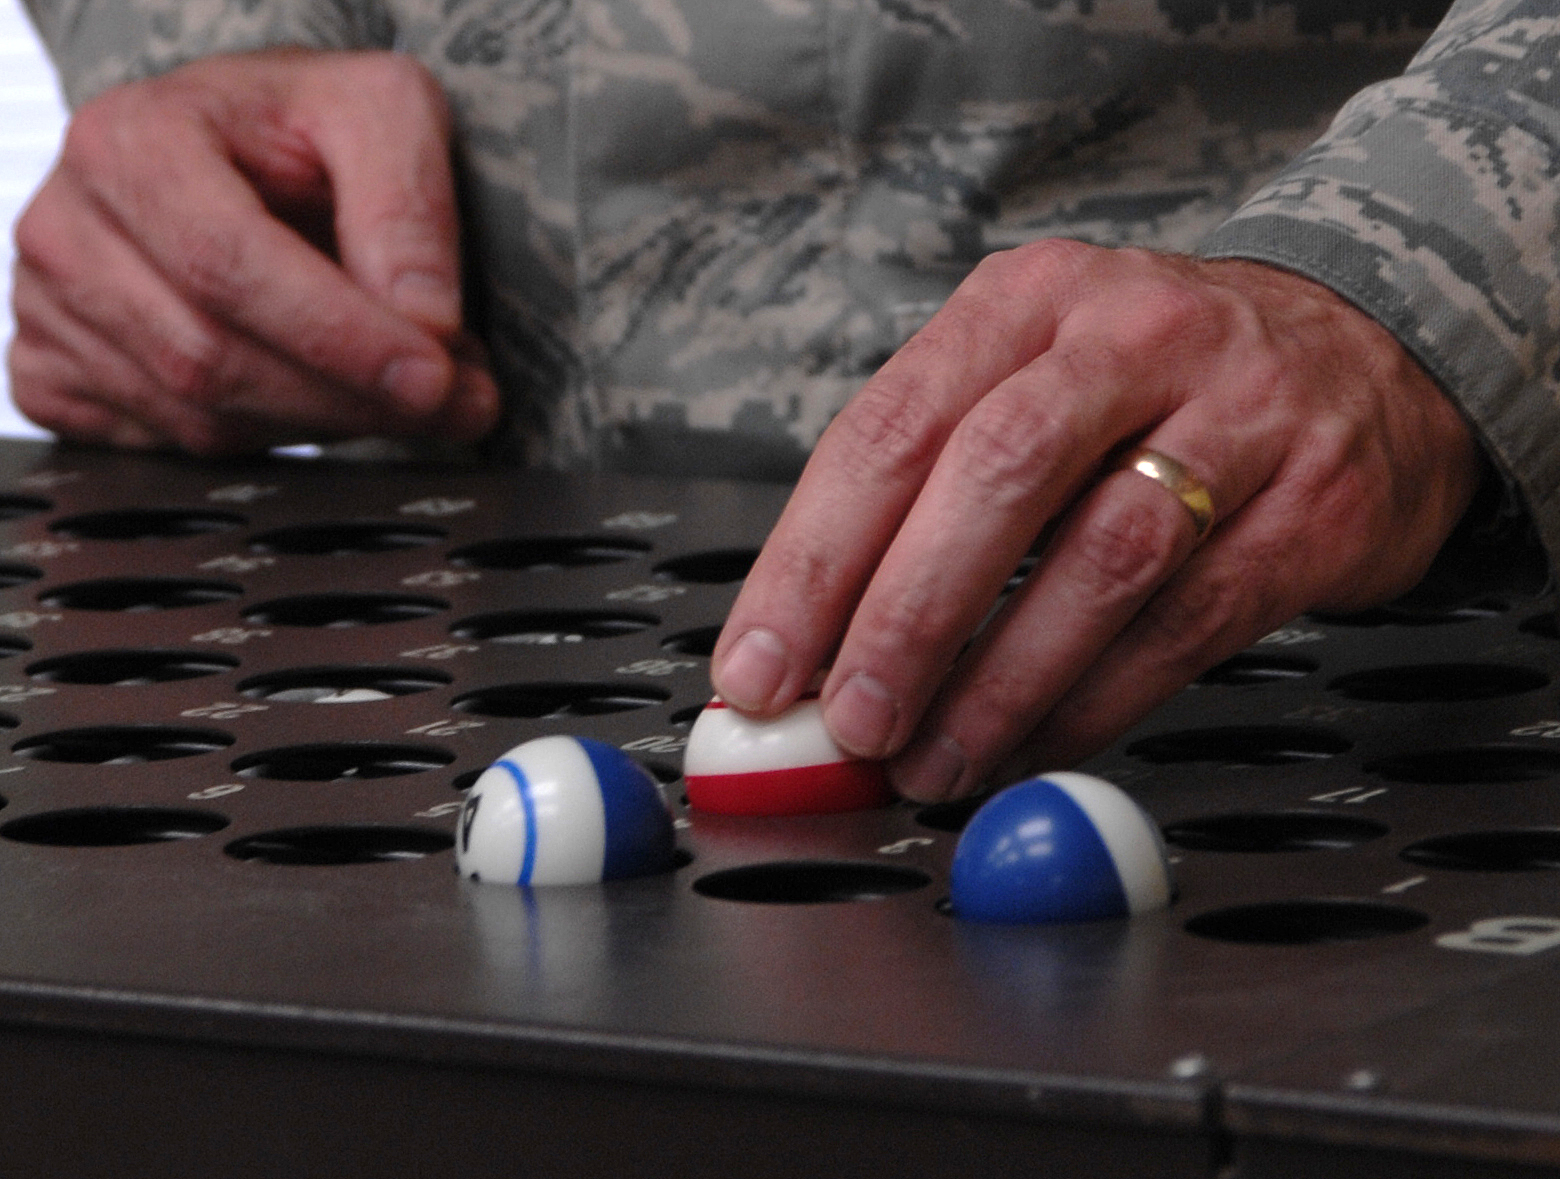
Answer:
(1432, 203)
(696, 226)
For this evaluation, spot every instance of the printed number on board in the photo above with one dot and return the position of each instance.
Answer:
(233, 563)
(27, 619)
(441, 579)
(46, 480)
(656, 667)
(439, 651)
(1290, 636)
(1351, 795)
(646, 593)
(445, 728)
(42, 550)
(241, 493)
(223, 710)
(1505, 935)
(230, 636)
(640, 520)
(437, 506)
(656, 744)
(900, 847)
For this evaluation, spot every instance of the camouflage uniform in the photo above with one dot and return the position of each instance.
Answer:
(695, 226)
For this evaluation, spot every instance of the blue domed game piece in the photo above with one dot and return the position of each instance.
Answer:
(563, 810)
(1063, 847)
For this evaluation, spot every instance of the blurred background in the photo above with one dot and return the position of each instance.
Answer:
(32, 116)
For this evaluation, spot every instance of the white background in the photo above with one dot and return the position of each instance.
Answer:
(31, 118)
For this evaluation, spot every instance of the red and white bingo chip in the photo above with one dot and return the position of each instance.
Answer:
(787, 765)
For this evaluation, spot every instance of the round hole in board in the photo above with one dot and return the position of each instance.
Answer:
(112, 826)
(345, 539)
(17, 507)
(683, 718)
(1544, 625)
(13, 574)
(952, 817)
(341, 610)
(546, 628)
(700, 641)
(1306, 922)
(540, 554)
(1250, 670)
(12, 645)
(1521, 850)
(557, 701)
(716, 567)
(663, 772)
(146, 524)
(139, 594)
(1400, 615)
(118, 745)
(1274, 831)
(1472, 765)
(129, 668)
(342, 761)
(809, 882)
(340, 845)
(341, 685)
(1241, 745)
(1438, 683)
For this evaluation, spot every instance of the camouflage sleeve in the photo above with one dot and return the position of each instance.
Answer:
(97, 44)
(1433, 204)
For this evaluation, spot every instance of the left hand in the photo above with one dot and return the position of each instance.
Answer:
(1336, 467)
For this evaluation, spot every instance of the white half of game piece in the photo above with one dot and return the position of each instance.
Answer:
(563, 810)
(787, 765)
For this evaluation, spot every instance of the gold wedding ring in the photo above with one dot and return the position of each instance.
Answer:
(1177, 480)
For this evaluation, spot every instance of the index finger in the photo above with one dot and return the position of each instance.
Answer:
(870, 466)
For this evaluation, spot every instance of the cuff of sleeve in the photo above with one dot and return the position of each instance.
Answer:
(99, 44)
(1480, 327)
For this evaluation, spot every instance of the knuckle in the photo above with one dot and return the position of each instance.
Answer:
(1009, 271)
(88, 138)
(398, 80)
(888, 430)
(211, 263)
(1126, 547)
(907, 624)
(1202, 613)
(1007, 446)
(35, 237)
(803, 572)
(189, 365)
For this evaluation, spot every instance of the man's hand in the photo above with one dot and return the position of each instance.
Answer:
(248, 251)
(1335, 466)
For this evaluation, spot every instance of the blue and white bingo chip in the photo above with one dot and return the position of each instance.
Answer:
(1062, 847)
(563, 810)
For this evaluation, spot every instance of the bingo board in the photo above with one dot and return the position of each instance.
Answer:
(240, 702)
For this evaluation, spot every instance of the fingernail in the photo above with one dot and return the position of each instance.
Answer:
(427, 298)
(417, 385)
(753, 670)
(861, 716)
(930, 771)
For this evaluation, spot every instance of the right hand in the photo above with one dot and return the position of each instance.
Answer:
(249, 251)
